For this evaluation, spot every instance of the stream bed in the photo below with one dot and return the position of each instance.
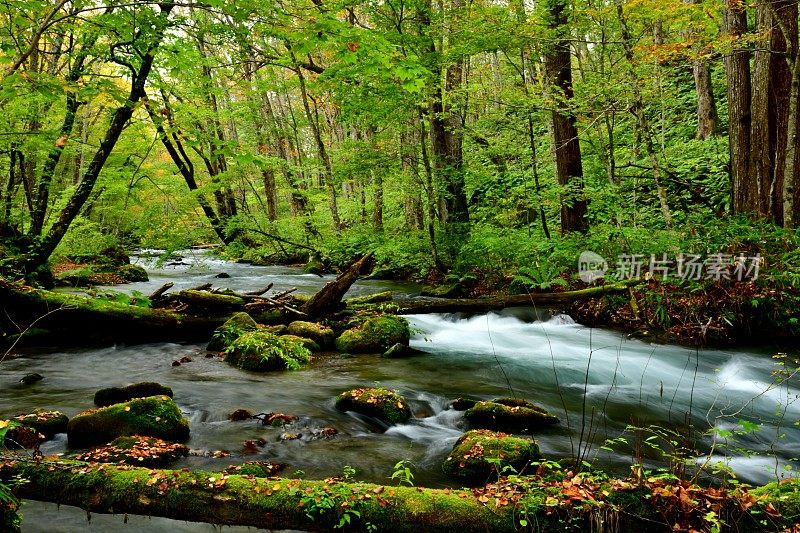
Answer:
(597, 381)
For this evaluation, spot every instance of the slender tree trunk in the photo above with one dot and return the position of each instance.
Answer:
(323, 152)
(42, 250)
(566, 145)
(638, 110)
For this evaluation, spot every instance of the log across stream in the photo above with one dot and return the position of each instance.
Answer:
(539, 356)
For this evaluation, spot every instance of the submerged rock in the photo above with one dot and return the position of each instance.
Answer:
(376, 402)
(112, 395)
(48, 423)
(136, 450)
(375, 335)
(320, 334)
(475, 454)
(240, 414)
(156, 416)
(261, 351)
(28, 379)
(397, 350)
(237, 325)
(509, 414)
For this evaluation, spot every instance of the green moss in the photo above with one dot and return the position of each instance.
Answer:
(156, 416)
(784, 496)
(509, 414)
(48, 423)
(261, 351)
(375, 335)
(238, 324)
(132, 273)
(479, 453)
(112, 395)
(309, 344)
(320, 334)
(377, 402)
(76, 277)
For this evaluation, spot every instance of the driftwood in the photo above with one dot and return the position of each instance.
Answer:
(493, 303)
(329, 298)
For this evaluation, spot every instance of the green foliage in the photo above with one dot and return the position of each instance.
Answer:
(402, 473)
(261, 351)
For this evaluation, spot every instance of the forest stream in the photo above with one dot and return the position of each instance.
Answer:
(597, 381)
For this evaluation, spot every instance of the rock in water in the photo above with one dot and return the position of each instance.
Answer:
(113, 395)
(237, 325)
(375, 335)
(475, 454)
(376, 402)
(261, 351)
(320, 334)
(48, 423)
(156, 416)
(509, 414)
(28, 379)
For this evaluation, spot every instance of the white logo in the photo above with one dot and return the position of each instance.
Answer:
(591, 267)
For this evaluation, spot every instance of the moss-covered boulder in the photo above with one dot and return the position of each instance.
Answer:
(238, 324)
(463, 403)
(48, 423)
(309, 344)
(376, 402)
(261, 351)
(509, 414)
(479, 453)
(320, 334)
(75, 277)
(137, 450)
(132, 273)
(375, 335)
(156, 416)
(112, 395)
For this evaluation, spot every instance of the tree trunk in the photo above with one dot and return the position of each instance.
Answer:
(637, 108)
(323, 152)
(566, 145)
(329, 298)
(42, 250)
(706, 105)
(745, 190)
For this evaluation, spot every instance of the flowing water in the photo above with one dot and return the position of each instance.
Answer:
(597, 381)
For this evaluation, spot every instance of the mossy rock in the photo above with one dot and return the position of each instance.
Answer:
(320, 334)
(375, 335)
(113, 395)
(474, 454)
(29, 379)
(261, 351)
(156, 416)
(76, 277)
(464, 403)
(309, 344)
(509, 414)
(238, 324)
(132, 273)
(48, 423)
(376, 402)
(137, 450)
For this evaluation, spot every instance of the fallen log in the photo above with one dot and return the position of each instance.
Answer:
(422, 305)
(280, 503)
(329, 298)
(75, 320)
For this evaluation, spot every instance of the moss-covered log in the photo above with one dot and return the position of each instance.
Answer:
(329, 298)
(493, 303)
(222, 498)
(75, 320)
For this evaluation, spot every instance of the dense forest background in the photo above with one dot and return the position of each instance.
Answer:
(488, 140)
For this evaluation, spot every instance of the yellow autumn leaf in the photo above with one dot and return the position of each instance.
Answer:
(127, 407)
(4, 423)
